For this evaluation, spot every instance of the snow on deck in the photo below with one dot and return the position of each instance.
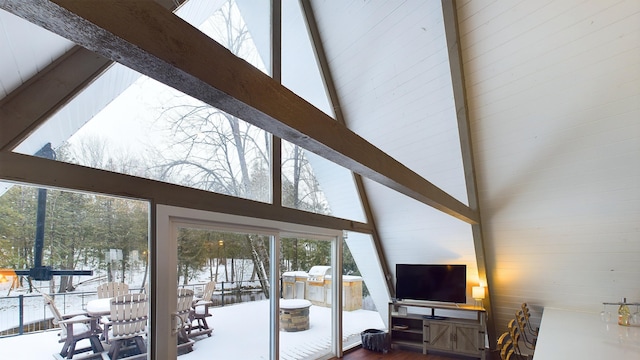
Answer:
(241, 331)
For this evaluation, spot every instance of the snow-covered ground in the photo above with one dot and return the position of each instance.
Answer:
(240, 332)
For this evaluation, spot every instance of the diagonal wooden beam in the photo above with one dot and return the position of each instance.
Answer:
(31, 104)
(330, 87)
(452, 35)
(149, 39)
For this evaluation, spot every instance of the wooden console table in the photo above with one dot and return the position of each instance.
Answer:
(438, 328)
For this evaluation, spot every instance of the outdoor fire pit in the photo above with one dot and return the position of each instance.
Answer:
(294, 314)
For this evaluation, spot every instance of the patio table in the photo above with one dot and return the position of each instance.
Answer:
(99, 307)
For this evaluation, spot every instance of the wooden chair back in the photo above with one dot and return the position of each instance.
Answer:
(529, 341)
(73, 329)
(527, 314)
(200, 312)
(183, 309)
(183, 323)
(112, 289)
(57, 316)
(209, 288)
(129, 314)
(514, 333)
(506, 347)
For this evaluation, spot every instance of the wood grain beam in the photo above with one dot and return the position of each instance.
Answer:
(452, 36)
(323, 63)
(31, 104)
(27, 169)
(151, 40)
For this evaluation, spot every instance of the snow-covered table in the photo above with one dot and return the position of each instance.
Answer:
(99, 307)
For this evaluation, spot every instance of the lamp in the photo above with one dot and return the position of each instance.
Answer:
(477, 292)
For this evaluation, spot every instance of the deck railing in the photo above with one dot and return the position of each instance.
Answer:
(22, 314)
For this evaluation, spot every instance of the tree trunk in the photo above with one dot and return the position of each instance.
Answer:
(258, 265)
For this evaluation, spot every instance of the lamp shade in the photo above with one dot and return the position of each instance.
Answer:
(477, 292)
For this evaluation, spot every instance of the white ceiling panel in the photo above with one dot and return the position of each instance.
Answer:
(26, 49)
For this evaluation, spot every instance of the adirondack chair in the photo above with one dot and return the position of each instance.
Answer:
(183, 323)
(128, 326)
(200, 312)
(112, 289)
(73, 329)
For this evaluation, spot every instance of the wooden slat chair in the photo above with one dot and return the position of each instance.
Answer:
(200, 312)
(527, 314)
(505, 345)
(112, 289)
(128, 326)
(73, 329)
(514, 332)
(506, 348)
(529, 340)
(183, 322)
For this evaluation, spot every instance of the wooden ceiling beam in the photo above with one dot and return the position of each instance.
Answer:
(36, 100)
(151, 40)
(452, 36)
(19, 168)
(323, 63)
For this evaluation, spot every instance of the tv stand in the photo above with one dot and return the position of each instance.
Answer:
(438, 327)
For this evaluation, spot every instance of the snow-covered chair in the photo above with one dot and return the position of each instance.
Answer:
(73, 329)
(200, 312)
(183, 323)
(128, 326)
(112, 289)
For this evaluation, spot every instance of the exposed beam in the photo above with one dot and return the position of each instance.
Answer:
(32, 103)
(330, 87)
(452, 35)
(276, 74)
(149, 39)
(21, 168)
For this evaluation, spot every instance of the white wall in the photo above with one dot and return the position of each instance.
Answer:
(554, 99)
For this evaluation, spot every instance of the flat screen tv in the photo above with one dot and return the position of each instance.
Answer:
(431, 282)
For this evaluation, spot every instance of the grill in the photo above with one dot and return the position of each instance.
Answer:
(317, 275)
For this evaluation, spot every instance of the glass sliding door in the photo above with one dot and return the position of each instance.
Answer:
(238, 262)
(307, 307)
(276, 294)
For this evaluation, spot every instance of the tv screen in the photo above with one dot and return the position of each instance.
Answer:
(446, 283)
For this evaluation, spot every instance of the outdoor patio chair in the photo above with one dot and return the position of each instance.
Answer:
(200, 312)
(73, 329)
(183, 323)
(112, 289)
(128, 326)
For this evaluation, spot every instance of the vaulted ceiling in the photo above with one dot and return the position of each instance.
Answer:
(549, 92)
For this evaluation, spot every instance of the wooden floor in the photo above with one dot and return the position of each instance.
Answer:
(362, 354)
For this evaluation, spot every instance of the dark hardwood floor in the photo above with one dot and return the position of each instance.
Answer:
(363, 354)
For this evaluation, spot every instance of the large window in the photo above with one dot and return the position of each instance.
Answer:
(101, 238)
(131, 124)
(252, 261)
(128, 123)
